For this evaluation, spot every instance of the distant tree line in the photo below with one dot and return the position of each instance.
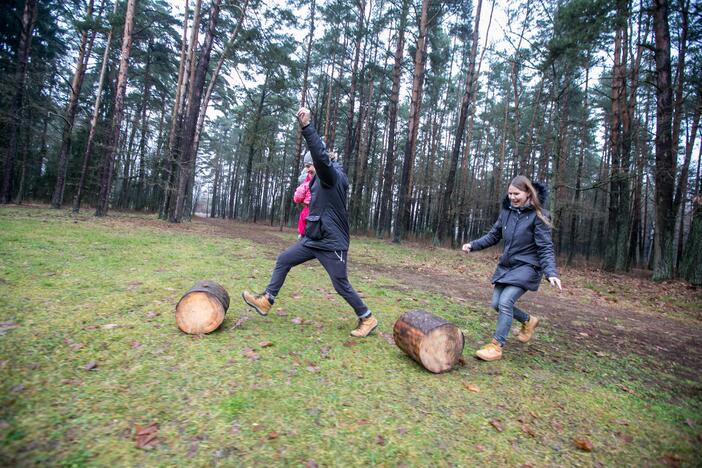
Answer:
(132, 105)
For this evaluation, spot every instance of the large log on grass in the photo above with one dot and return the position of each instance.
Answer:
(202, 308)
(430, 340)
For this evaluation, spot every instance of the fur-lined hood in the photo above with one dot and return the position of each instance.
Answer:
(541, 192)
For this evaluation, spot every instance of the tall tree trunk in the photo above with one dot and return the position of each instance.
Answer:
(93, 121)
(664, 171)
(385, 216)
(445, 215)
(195, 97)
(402, 216)
(691, 268)
(108, 162)
(140, 195)
(29, 17)
(348, 147)
(81, 64)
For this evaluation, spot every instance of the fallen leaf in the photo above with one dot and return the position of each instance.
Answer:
(146, 436)
(92, 365)
(387, 337)
(296, 296)
(153, 314)
(251, 354)
(671, 459)
(19, 388)
(71, 382)
(528, 430)
(624, 438)
(583, 334)
(584, 444)
(256, 427)
(4, 425)
(325, 350)
(402, 430)
(241, 321)
(90, 327)
(297, 321)
(265, 344)
(690, 422)
(351, 343)
(135, 344)
(77, 346)
(110, 326)
(311, 464)
(362, 422)
(312, 367)
(380, 440)
(479, 448)
(281, 313)
(235, 429)
(272, 435)
(471, 387)
(8, 325)
(623, 422)
(497, 424)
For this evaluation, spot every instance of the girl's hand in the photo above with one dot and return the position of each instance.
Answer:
(555, 281)
(466, 249)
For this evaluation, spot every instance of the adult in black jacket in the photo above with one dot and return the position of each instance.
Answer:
(326, 234)
(528, 254)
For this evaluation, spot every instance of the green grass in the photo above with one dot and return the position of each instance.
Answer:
(86, 290)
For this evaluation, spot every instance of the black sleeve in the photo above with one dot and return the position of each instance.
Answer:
(322, 164)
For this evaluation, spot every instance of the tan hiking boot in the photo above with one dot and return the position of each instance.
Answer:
(528, 328)
(490, 352)
(259, 302)
(365, 327)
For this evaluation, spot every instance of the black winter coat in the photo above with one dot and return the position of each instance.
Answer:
(327, 224)
(528, 247)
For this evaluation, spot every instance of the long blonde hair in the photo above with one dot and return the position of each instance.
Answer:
(524, 184)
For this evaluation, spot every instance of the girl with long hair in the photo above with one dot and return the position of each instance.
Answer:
(528, 254)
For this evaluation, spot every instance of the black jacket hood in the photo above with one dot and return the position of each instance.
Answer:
(541, 192)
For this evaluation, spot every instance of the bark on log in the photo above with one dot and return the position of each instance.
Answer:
(202, 308)
(430, 340)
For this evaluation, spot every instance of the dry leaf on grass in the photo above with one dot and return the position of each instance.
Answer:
(92, 365)
(281, 313)
(311, 464)
(272, 435)
(324, 351)
(584, 444)
(349, 344)
(251, 354)
(380, 440)
(265, 344)
(297, 321)
(471, 387)
(241, 321)
(387, 337)
(497, 424)
(146, 436)
(528, 430)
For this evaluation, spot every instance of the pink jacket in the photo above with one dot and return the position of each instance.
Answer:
(303, 193)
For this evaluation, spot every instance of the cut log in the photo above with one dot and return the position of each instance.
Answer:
(430, 340)
(202, 308)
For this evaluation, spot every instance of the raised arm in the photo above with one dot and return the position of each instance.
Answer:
(322, 164)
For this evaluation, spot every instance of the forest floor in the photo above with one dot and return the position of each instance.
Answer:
(89, 350)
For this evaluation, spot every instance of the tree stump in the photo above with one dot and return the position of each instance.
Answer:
(430, 340)
(202, 308)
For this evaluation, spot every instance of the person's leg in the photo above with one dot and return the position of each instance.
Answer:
(508, 297)
(335, 265)
(292, 256)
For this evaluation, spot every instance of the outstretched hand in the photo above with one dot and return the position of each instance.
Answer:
(304, 117)
(555, 282)
(466, 248)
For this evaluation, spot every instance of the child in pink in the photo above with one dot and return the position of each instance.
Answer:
(303, 196)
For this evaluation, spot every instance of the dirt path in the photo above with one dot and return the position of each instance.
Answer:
(608, 325)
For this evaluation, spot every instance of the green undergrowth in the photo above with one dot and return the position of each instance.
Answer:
(80, 293)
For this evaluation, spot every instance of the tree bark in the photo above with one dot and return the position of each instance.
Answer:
(29, 17)
(664, 171)
(76, 85)
(402, 216)
(108, 162)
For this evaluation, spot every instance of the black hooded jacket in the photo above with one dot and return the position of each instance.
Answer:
(327, 224)
(528, 247)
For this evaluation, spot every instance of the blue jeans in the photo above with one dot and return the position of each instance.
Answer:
(503, 298)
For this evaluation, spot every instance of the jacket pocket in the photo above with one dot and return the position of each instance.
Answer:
(314, 230)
